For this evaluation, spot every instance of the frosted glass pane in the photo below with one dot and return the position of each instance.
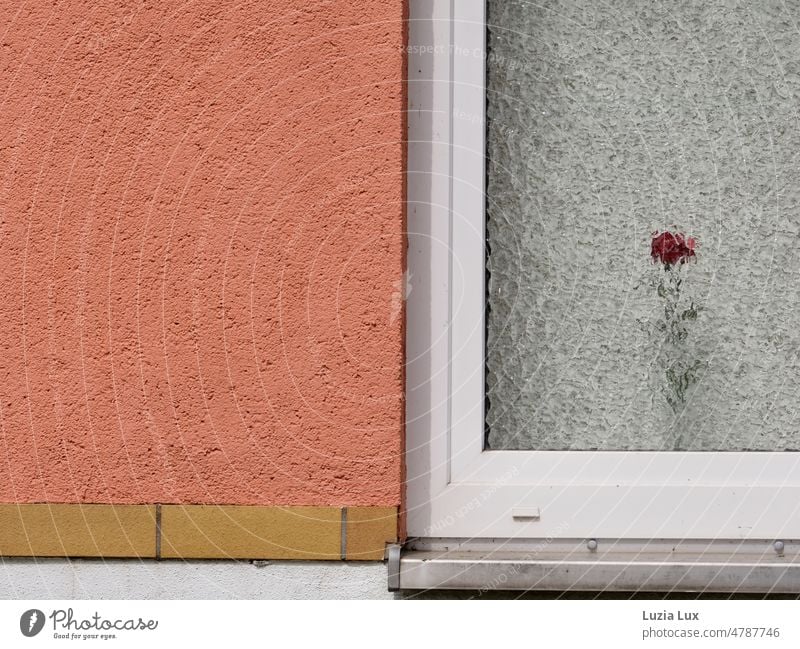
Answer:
(609, 123)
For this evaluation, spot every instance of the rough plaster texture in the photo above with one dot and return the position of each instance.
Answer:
(96, 579)
(609, 121)
(201, 221)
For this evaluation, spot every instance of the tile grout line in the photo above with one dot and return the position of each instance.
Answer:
(158, 531)
(343, 549)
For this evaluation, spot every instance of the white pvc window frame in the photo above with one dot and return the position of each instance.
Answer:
(455, 488)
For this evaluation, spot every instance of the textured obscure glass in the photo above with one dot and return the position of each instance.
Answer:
(609, 124)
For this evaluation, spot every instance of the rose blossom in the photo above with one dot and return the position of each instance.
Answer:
(671, 248)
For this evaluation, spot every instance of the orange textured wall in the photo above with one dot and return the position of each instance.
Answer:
(201, 218)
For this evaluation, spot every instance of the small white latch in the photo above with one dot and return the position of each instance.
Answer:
(526, 513)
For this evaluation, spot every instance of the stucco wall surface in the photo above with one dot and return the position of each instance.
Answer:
(201, 221)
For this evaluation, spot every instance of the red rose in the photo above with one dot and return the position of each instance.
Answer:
(671, 248)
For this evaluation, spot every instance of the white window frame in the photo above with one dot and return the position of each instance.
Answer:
(455, 489)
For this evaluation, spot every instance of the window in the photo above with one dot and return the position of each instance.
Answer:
(601, 347)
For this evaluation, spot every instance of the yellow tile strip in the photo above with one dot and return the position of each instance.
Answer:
(56, 530)
(240, 532)
(196, 531)
(369, 529)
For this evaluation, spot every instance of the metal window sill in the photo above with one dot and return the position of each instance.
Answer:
(739, 568)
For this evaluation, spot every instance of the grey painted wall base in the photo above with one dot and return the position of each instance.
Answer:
(133, 579)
